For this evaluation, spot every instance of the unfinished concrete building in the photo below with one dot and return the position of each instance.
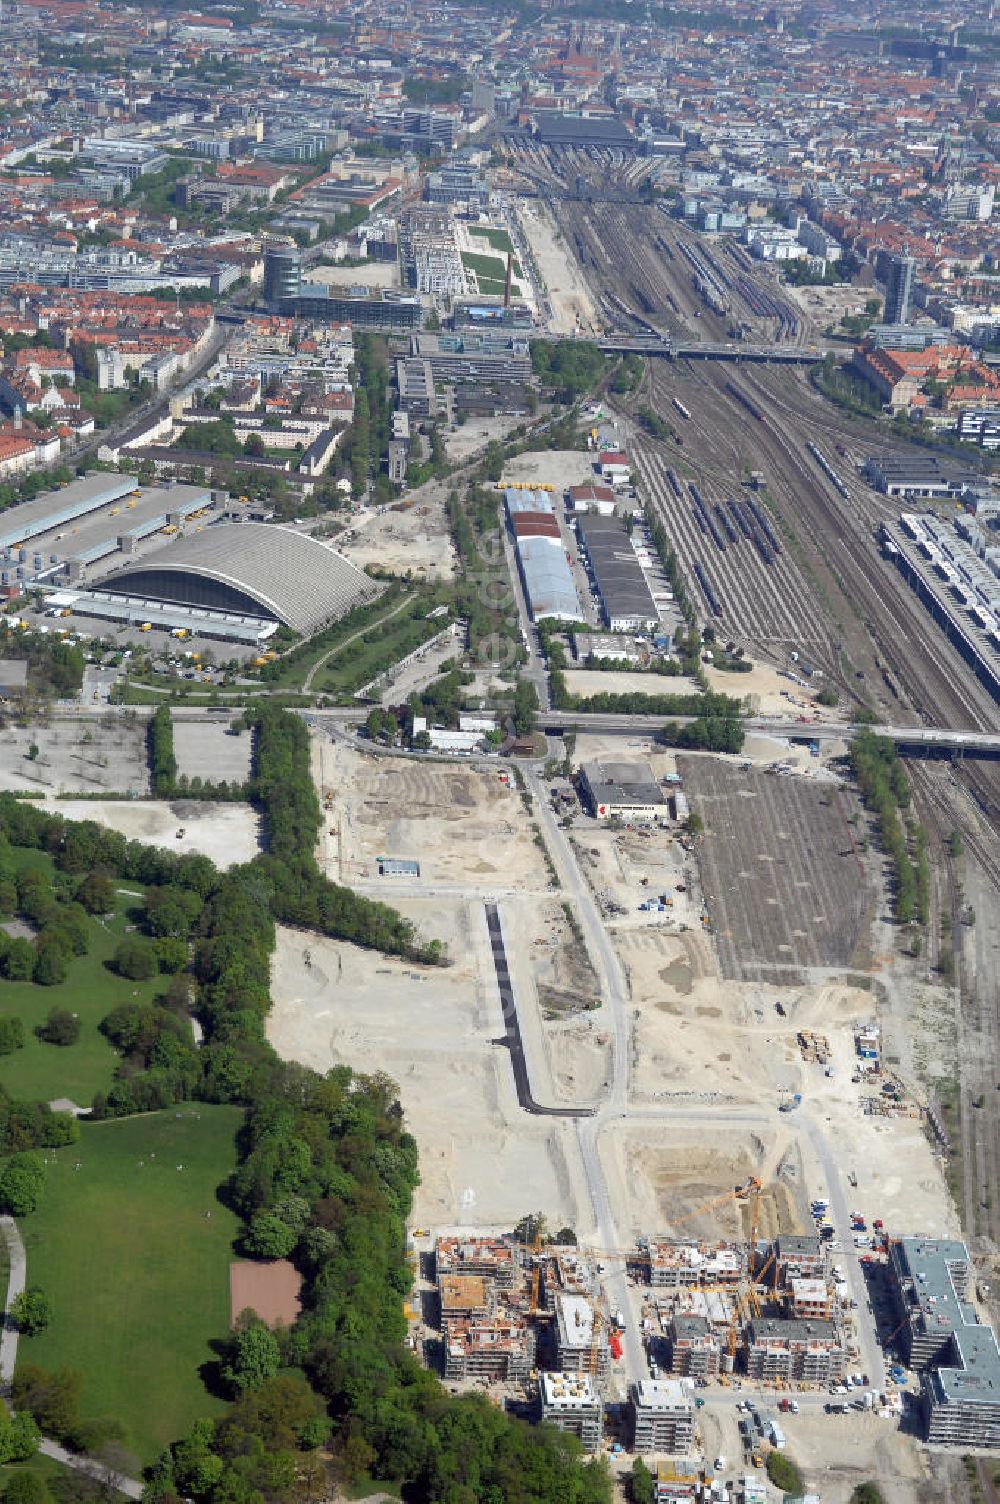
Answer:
(464, 1297)
(695, 1349)
(571, 1402)
(563, 1272)
(662, 1416)
(499, 1351)
(798, 1256)
(673, 1265)
(809, 1300)
(492, 1258)
(581, 1337)
(809, 1352)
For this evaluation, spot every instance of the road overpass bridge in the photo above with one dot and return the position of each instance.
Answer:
(911, 741)
(734, 350)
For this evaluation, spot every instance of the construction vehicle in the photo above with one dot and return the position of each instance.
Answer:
(790, 1103)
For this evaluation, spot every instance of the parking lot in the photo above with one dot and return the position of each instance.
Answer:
(785, 884)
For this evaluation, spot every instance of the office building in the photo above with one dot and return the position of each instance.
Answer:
(282, 273)
(899, 290)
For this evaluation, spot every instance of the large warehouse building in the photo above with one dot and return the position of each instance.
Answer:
(161, 556)
(626, 600)
(249, 570)
(541, 556)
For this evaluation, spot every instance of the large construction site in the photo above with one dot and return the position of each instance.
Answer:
(701, 1050)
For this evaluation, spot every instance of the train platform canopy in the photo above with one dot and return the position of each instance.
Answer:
(554, 128)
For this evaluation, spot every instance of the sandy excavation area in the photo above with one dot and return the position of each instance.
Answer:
(770, 694)
(411, 535)
(595, 681)
(483, 1162)
(671, 1182)
(462, 825)
(697, 1040)
(227, 833)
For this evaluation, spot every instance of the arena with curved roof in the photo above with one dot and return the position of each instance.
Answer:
(249, 569)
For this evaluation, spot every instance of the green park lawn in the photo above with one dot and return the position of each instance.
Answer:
(138, 1275)
(490, 268)
(499, 239)
(44, 1072)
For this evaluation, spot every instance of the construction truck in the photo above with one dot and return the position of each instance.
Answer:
(790, 1103)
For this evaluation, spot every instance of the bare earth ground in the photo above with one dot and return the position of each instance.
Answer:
(207, 750)
(270, 1290)
(769, 693)
(228, 833)
(75, 757)
(591, 681)
(695, 1039)
(552, 467)
(482, 1162)
(568, 294)
(464, 827)
(415, 538)
(475, 433)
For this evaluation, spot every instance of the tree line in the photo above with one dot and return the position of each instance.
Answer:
(885, 790)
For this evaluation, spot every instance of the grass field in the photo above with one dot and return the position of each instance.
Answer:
(492, 268)
(46, 1071)
(357, 664)
(499, 239)
(137, 1273)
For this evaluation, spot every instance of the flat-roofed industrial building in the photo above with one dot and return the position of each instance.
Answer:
(627, 603)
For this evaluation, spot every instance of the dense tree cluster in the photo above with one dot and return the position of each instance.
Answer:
(60, 924)
(51, 1400)
(55, 666)
(885, 790)
(569, 367)
(325, 1176)
(707, 733)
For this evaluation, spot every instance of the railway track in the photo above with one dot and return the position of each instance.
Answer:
(942, 810)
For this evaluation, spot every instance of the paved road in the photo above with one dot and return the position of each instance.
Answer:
(611, 986)
(15, 1285)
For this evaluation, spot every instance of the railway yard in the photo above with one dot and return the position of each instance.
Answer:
(782, 873)
(829, 594)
